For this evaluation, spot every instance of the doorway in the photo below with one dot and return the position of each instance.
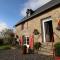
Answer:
(47, 30)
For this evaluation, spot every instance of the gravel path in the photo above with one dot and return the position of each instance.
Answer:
(17, 55)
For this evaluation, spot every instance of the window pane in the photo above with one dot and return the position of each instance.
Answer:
(24, 40)
(27, 40)
(22, 26)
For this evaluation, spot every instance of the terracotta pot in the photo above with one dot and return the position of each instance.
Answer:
(57, 58)
(24, 50)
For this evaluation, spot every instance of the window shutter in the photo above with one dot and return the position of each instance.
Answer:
(31, 41)
(21, 40)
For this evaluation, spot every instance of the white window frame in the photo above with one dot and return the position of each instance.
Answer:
(45, 20)
(26, 41)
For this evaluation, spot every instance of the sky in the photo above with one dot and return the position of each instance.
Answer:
(12, 11)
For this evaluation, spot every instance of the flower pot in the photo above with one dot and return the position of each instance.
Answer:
(57, 57)
(57, 51)
(24, 49)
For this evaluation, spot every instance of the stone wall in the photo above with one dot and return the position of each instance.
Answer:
(35, 23)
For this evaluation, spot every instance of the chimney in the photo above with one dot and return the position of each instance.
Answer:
(29, 12)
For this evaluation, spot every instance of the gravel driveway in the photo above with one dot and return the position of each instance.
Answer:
(17, 55)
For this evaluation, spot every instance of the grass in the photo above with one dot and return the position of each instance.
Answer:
(4, 47)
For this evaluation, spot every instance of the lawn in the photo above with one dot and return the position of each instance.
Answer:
(5, 47)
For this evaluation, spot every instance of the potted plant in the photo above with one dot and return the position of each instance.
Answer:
(57, 51)
(37, 45)
(36, 32)
(24, 48)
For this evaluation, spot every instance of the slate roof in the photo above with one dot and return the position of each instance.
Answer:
(40, 10)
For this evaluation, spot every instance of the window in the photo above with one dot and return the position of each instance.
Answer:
(25, 40)
(22, 26)
(28, 40)
(27, 25)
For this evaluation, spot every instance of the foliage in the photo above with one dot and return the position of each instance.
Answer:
(24, 49)
(4, 47)
(37, 45)
(7, 35)
(1, 41)
(57, 49)
(24, 46)
(36, 32)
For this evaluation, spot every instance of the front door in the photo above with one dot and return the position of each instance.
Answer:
(47, 30)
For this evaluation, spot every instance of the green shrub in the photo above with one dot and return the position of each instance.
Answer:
(57, 49)
(8, 47)
(37, 45)
(24, 46)
(1, 42)
(5, 47)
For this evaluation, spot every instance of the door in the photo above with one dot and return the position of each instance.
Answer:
(47, 30)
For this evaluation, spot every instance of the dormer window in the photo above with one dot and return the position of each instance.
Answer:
(29, 14)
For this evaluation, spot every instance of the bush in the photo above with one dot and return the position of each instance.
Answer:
(24, 46)
(5, 47)
(1, 42)
(37, 45)
(8, 47)
(57, 49)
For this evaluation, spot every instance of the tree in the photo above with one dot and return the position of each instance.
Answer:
(8, 35)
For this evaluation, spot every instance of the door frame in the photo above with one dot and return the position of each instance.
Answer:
(43, 28)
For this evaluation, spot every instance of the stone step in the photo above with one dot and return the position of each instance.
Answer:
(47, 46)
(45, 50)
(45, 53)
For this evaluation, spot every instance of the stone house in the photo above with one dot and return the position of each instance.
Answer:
(46, 21)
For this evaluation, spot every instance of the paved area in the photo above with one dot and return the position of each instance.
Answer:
(17, 55)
